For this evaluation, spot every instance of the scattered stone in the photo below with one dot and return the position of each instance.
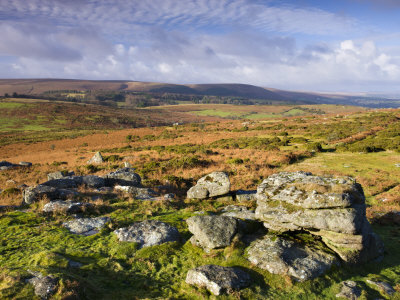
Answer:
(169, 197)
(285, 257)
(383, 286)
(349, 290)
(211, 185)
(148, 233)
(124, 177)
(243, 196)
(86, 226)
(96, 159)
(59, 175)
(5, 165)
(74, 264)
(218, 279)
(127, 164)
(10, 182)
(137, 192)
(68, 207)
(25, 164)
(397, 165)
(239, 212)
(44, 286)
(210, 232)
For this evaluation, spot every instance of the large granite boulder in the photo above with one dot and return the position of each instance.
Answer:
(148, 233)
(86, 226)
(218, 279)
(33, 194)
(211, 185)
(124, 177)
(331, 207)
(286, 257)
(210, 232)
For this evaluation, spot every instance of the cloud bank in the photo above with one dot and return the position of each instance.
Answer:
(264, 43)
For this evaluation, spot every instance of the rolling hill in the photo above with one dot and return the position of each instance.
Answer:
(39, 86)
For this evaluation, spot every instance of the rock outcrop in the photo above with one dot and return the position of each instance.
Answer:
(148, 233)
(330, 207)
(218, 279)
(285, 257)
(5, 165)
(33, 194)
(210, 232)
(86, 226)
(211, 185)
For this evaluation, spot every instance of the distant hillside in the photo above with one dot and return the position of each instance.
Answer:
(243, 91)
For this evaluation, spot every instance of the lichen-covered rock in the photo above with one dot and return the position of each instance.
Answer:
(137, 192)
(123, 177)
(349, 290)
(218, 279)
(33, 194)
(44, 286)
(86, 226)
(67, 206)
(96, 159)
(239, 212)
(61, 183)
(354, 248)
(210, 232)
(211, 185)
(331, 207)
(243, 196)
(301, 189)
(90, 181)
(148, 233)
(286, 257)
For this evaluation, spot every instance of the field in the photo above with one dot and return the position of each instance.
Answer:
(171, 147)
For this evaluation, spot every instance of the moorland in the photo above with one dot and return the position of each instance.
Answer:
(171, 144)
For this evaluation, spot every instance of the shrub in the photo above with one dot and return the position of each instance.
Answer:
(235, 161)
(314, 147)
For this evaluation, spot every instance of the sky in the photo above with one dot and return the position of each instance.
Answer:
(307, 45)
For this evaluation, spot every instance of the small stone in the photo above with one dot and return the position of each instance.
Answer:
(243, 196)
(25, 164)
(240, 212)
(218, 279)
(44, 286)
(148, 233)
(96, 159)
(349, 290)
(383, 286)
(86, 226)
(124, 177)
(137, 192)
(67, 206)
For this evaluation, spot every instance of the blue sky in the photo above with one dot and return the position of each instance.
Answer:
(315, 45)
